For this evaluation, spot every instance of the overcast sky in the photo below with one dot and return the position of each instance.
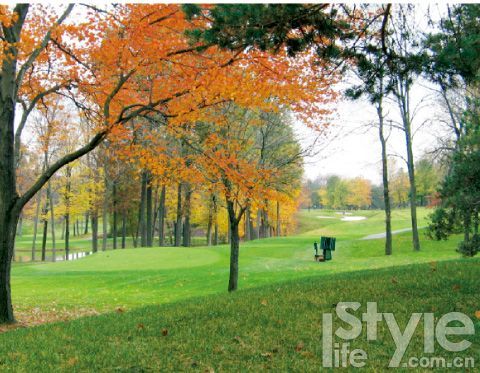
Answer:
(352, 147)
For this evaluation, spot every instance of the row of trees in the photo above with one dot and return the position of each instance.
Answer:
(153, 186)
(335, 192)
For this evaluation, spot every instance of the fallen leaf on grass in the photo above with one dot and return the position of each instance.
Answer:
(299, 347)
(72, 361)
(266, 354)
(218, 350)
(477, 314)
(264, 302)
(239, 340)
(164, 332)
(307, 354)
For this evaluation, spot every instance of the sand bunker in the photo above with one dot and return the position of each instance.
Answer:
(353, 218)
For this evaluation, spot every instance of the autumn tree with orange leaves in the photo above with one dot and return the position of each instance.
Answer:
(118, 64)
(235, 156)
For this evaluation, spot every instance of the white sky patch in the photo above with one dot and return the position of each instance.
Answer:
(353, 149)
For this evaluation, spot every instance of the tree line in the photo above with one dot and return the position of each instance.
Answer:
(335, 192)
(156, 189)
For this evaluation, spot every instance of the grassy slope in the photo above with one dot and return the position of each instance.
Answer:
(274, 327)
(131, 278)
(274, 324)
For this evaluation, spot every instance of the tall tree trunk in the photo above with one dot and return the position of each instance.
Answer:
(171, 232)
(215, 220)
(210, 221)
(209, 231)
(135, 240)
(266, 222)
(8, 224)
(95, 230)
(45, 231)
(124, 229)
(87, 219)
(178, 224)
(413, 190)
(155, 213)
(215, 234)
(9, 211)
(143, 201)
(258, 232)
(115, 214)
(52, 221)
(161, 217)
(234, 245)
(247, 236)
(187, 240)
(252, 228)
(149, 211)
(403, 96)
(35, 223)
(386, 189)
(67, 235)
(278, 220)
(7, 234)
(105, 216)
(68, 187)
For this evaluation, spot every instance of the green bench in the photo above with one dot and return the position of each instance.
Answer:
(327, 245)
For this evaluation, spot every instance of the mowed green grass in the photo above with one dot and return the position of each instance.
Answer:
(167, 309)
(139, 277)
(275, 327)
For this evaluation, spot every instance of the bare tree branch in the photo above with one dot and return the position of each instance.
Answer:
(27, 109)
(48, 35)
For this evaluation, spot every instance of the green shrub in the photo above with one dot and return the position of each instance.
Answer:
(471, 247)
